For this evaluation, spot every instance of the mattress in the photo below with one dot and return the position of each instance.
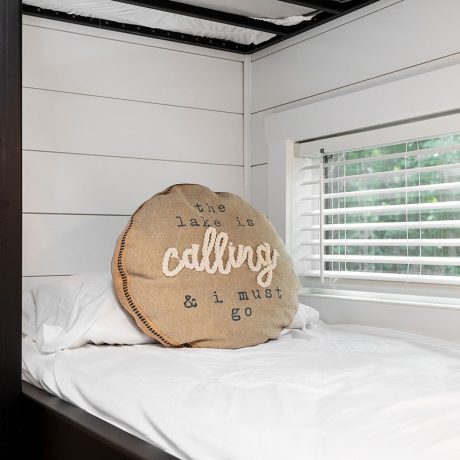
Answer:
(323, 393)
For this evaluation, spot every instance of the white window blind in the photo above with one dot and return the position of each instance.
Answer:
(379, 206)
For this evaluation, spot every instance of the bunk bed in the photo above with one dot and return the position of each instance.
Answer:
(35, 423)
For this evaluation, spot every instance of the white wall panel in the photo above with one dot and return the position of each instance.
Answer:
(405, 34)
(62, 122)
(58, 245)
(258, 145)
(259, 177)
(52, 181)
(109, 119)
(323, 28)
(63, 61)
(434, 322)
(429, 93)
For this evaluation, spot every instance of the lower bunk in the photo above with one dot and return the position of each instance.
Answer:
(322, 392)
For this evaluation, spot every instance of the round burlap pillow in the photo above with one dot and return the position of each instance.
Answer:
(204, 269)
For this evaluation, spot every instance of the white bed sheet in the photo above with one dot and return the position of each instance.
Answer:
(325, 393)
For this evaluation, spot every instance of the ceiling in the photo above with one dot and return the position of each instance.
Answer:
(241, 26)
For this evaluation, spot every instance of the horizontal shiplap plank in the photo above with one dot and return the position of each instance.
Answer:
(66, 244)
(58, 60)
(62, 122)
(259, 187)
(391, 39)
(63, 183)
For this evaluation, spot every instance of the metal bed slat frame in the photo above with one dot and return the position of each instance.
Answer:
(45, 414)
(184, 9)
(325, 7)
(322, 5)
(137, 30)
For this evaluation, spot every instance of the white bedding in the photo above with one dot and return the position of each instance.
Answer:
(324, 393)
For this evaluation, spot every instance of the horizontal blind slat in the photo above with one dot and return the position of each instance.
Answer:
(401, 260)
(446, 242)
(399, 172)
(389, 191)
(386, 208)
(310, 182)
(396, 156)
(387, 225)
(310, 197)
(310, 167)
(410, 278)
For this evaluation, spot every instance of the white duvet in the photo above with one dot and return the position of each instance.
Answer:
(324, 393)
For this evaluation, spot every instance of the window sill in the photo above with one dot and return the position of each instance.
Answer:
(407, 300)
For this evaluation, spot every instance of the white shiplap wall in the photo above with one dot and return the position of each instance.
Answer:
(109, 119)
(386, 41)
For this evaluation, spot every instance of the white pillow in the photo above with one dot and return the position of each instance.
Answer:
(76, 310)
(80, 309)
(305, 315)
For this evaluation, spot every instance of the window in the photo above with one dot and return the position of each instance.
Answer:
(379, 209)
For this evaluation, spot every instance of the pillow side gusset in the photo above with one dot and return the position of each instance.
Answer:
(122, 287)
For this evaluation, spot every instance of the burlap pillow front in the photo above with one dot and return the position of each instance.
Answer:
(204, 269)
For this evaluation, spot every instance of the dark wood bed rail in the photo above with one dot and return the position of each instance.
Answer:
(58, 430)
(10, 227)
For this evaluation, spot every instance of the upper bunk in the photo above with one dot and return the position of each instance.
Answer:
(231, 25)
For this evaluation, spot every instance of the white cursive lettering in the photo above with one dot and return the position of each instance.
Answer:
(217, 243)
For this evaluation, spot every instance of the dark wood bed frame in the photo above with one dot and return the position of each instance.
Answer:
(57, 430)
(10, 226)
(33, 423)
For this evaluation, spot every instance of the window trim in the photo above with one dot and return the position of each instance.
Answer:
(447, 303)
